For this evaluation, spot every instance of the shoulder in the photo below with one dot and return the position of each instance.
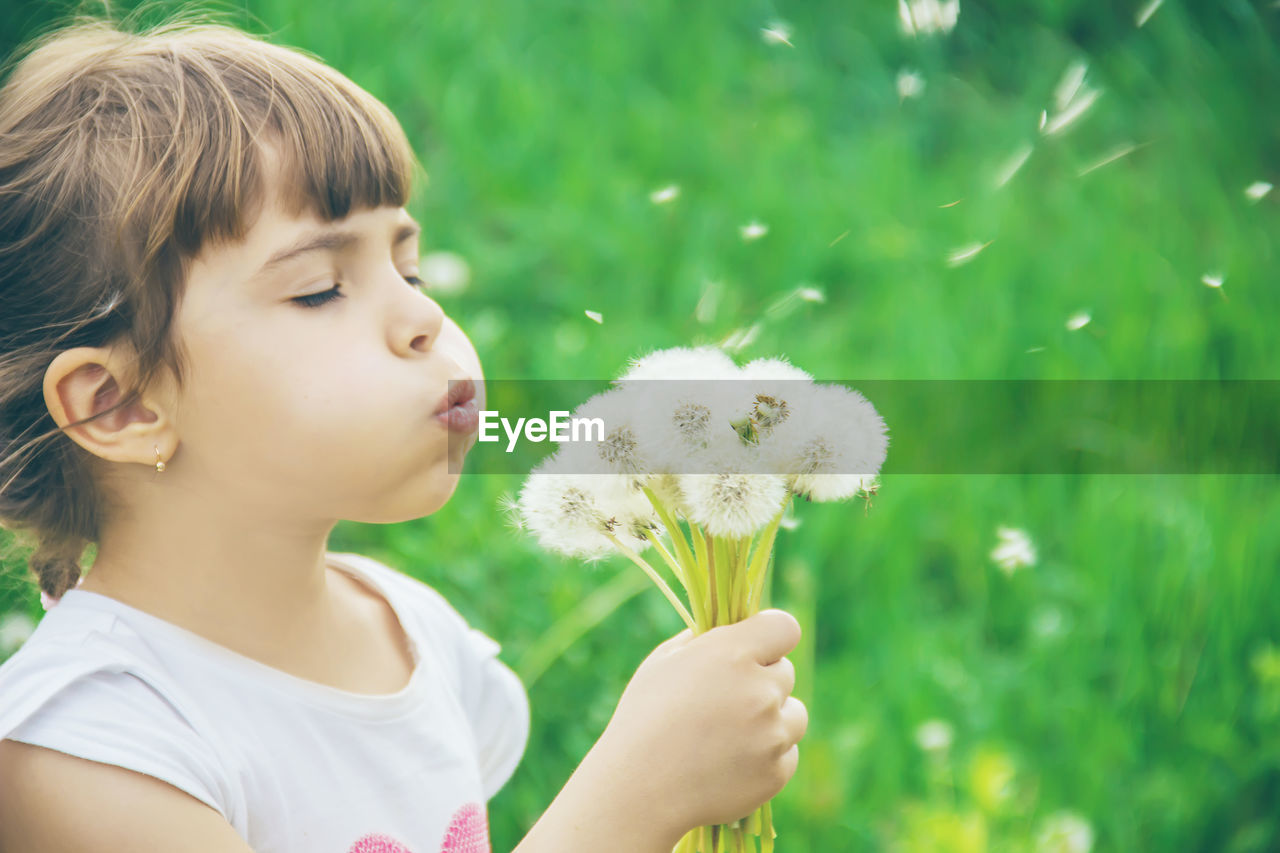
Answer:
(53, 801)
(92, 694)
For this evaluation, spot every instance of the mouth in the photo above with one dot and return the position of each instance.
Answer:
(461, 392)
(458, 411)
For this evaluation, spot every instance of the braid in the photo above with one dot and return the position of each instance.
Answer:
(57, 567)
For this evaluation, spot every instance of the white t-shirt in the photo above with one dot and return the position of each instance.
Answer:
(293, 765)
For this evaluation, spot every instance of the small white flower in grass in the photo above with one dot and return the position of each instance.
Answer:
(595, 315)
(445, 272)
(776, 33)
(753, 231)
(1213, 280)
(1064, 832)
(665, 194)
(934, 736)
(728, 500)
(15, 628)
(910, 84)
(1256, 190)
(1014, 550)
(1078, 321)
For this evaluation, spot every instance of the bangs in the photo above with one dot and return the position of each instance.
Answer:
(255, 117)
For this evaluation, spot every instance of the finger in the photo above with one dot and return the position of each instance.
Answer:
(768, 635)
(795, 719)
(783, 673)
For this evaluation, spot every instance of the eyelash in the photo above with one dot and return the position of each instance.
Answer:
(315, 300)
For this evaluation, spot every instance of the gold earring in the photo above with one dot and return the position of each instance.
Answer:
(159, 462)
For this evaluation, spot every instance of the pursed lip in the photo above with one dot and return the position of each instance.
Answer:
(460, 391)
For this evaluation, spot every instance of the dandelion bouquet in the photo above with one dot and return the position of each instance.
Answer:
(700, 459)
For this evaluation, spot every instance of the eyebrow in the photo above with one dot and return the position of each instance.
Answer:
(330, 241)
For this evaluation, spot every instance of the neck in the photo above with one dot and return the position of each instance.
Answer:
(234, 574)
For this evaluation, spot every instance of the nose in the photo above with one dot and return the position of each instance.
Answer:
(416, 322)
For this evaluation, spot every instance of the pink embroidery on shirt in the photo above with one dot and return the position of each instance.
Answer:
(378, 844)
(468, 832)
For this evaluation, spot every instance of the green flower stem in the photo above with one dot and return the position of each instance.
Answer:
(667, 558)
(760, 560)
(705, 578)
(655, 577)
(744, 584)
(766, 829)
(724, 570)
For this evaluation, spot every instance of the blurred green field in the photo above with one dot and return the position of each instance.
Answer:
(1131, 676)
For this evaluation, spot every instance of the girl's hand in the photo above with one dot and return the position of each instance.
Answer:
(706, 730)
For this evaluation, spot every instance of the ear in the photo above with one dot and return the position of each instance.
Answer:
(85, 381)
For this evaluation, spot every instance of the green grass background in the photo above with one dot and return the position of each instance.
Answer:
(1132, 675)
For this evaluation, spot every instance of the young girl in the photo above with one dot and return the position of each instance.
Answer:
(213, 347)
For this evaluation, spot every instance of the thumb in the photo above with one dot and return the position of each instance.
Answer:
(768, 635)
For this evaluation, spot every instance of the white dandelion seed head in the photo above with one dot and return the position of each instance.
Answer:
(1064, 832)
(1013, 550)
(617, 449)
(445, 272)
(571, 513)
(1078, 321)
(934, 736)
(705, 362)
(664, 194)
(728, 501)
(831, 447)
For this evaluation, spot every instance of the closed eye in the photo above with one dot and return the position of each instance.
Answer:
(315, 300)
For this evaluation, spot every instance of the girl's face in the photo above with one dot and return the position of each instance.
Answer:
(315, 372)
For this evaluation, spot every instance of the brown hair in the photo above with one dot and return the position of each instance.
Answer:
(126, 152)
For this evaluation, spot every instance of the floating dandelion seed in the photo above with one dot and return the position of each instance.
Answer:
(1256, 190)
(1014, 550)
(951, 203)
(1211, 280)
(741, 338)
(964, 254)
(1044, 117)
(838, 239)
(934, 736)
(753, 230)
(910, 84)
(705, 311)
(1064, 832)
(1071, 97)
(776, 33)
(1078, 321)
(445, 272)
(1012, 165)
(1034, 350)
(1115, 154)
(595, 315)
(786, 304)
(664, 195)
(1145, 13)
